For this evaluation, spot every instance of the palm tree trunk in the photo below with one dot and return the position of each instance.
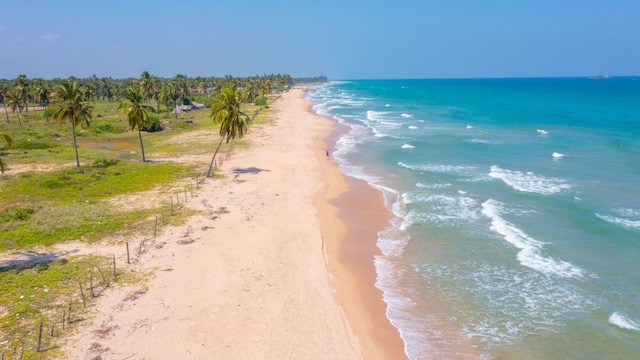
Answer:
(175, 108)
(46, 114)
(19, 121)
(75, 144)
(141, 146)
(26, 118)
(214, 157)
(5, 111)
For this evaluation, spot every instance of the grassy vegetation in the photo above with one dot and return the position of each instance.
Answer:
(47, 293)
(61, 202)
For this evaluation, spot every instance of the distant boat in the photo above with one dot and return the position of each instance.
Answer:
(599, 77)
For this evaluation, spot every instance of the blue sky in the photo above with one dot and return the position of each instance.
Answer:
(347, 39)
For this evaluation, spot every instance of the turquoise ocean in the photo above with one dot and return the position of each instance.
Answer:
(516, 206)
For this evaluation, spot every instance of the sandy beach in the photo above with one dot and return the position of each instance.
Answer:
(280, 266)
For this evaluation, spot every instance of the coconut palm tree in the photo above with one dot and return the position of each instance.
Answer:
(7, 140)
(23, 93)
(68, 104)
(14, 102)
(146, 85)
(225, 111)
(4, 93)
(41, 94)
(136, 111)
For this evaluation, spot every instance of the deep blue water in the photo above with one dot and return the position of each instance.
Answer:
(517, 206)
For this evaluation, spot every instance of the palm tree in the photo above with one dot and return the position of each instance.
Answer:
(14, 102)
(146, 85)
(23, 93)
(225, 111)
(4, 93)
(7, 140)
(132, 106)
(68, 104)
(41, 93)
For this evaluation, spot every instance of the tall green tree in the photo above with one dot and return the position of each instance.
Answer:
(15, 103)
(7, 140)
(4, 94)
(68, 104)
(146, 85)
(41, 94)
(225, 111)
(22, 91)
(136, 111)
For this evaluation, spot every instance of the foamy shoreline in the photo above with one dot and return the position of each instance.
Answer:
(262, 280)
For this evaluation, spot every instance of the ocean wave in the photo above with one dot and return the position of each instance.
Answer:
(407, 146)
(530, 253)
(529, 182)
(376, 116)
(412, 127)
(623, 222)
(542, 132)
(557, 155)
(433, 186)
(406, 115)
(441, 209)
(437, 168)
(502, 304)
(477, 141)
(623, 322)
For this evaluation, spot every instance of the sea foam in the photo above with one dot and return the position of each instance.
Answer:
(625, 223)
(530, 253)
(622, 322)
(529, 182)
(407, 146)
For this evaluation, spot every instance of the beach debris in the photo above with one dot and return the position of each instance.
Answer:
(135, 295)
(185, 241)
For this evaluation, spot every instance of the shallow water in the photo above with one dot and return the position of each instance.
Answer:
(517, 210)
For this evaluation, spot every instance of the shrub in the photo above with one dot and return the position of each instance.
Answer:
(31, 145)
(261, 101)
(153, 124)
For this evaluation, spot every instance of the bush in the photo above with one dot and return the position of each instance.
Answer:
(103, 163)
(17, 214)
(31, 145)
(260, 101)
(108, 128)
(153, 124)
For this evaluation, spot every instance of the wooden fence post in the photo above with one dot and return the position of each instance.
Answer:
(39, 337)
(84, 302)
(128, 260)
(114, 265)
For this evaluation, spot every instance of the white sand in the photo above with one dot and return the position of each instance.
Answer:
(254, 284)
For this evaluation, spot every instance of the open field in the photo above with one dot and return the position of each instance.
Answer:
(46, 200)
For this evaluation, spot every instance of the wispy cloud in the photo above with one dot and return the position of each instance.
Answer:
(50, 37)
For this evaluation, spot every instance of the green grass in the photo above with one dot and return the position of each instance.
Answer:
(91, 182)
(44, 292)
(51, 207)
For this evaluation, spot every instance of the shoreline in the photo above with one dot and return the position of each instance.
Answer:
(255, 275)
(352, 213)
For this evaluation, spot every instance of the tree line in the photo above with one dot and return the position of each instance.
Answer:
(71, 99)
